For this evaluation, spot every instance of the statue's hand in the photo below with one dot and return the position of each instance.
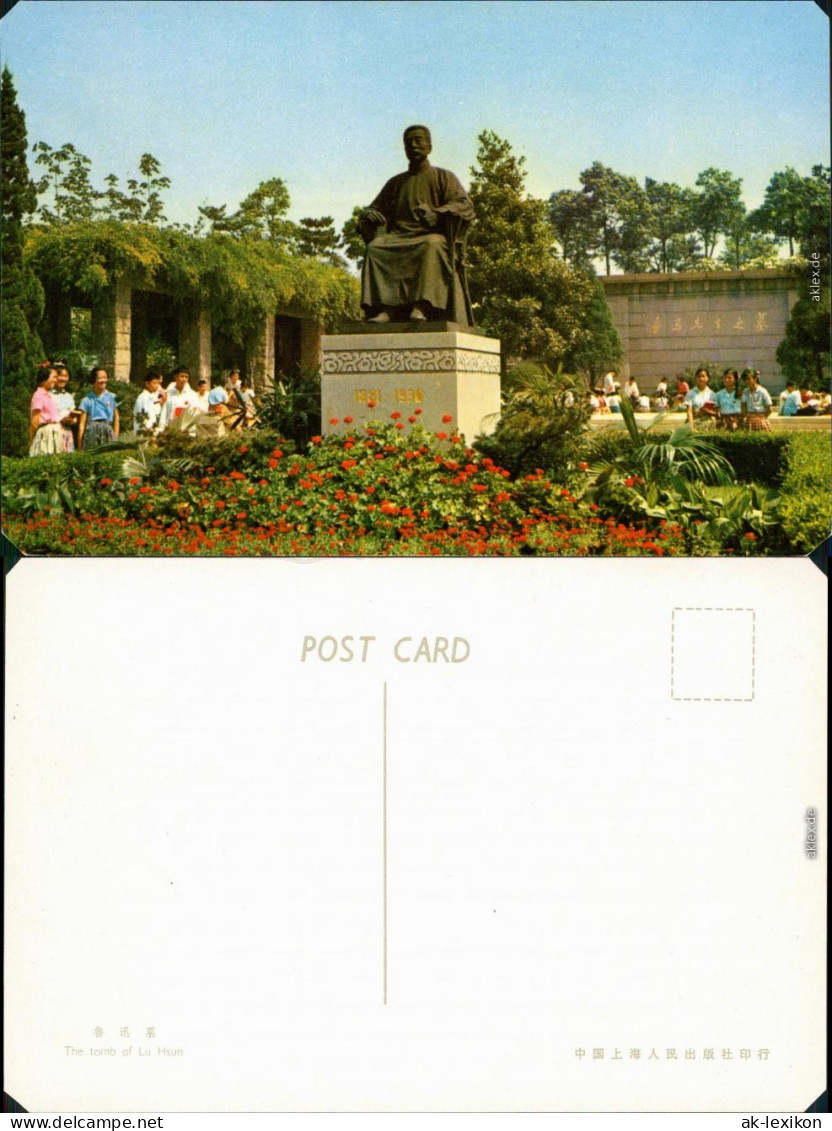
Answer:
(427, 216)
(369, 221)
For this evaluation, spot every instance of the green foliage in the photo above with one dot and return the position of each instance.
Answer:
(160, 355)
(21, 298)
(796, 209)
(143, 205)
(542, 424)
(318, 239)
(351, 239)
(72, 197)
(670, 461)
(593, 357)
(756, 457)
(14, 420)
(520, 291)
(261, 215)
(383, 489)
(292, 407)
(619, 216)
(239, 281)
(816, 221)
(67, 180)
(804, 351)
(744, 246)
(667, 228)
(570, 215)
(670, 223)
(718, 206)
(806, 508)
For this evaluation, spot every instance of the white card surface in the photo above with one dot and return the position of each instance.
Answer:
(550, 840)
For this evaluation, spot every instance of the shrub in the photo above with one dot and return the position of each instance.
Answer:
(542, 424)
(806, 507)
(384, 489)
(756, 457)
(293, 407)
(15, 420)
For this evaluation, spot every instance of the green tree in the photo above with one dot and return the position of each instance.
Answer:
(261, 215)
(603, 348)
(351, 239)
(21, 300)
(142, 203)
(317, 239)
(744, 245)
(618, 216)
(67, 184)
(670, 223)
(571, 220)
(816, 220)
(784, 206)
(521, 291)
(717, 208)
(804, 351)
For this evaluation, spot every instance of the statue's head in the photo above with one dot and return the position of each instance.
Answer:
(417, 143)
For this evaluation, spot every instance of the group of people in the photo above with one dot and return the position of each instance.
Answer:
(57, 424)
(741, 401)
(157, 405)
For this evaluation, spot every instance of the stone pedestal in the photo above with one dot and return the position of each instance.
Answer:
(441, 368)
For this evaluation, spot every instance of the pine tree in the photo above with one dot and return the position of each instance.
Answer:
(21, 305)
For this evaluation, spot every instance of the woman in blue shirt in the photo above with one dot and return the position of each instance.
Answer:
(728, 401)
(99, 422)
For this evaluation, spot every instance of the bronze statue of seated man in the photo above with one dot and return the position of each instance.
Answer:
(411, 269)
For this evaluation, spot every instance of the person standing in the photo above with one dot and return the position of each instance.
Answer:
(148, 407)
(728, 401)
(68, 415)
(699, 401)
(631, 392)
(756, 403)
(202, 389)
(180, 396)
(45, 433)
(99, 423)
(790, 401)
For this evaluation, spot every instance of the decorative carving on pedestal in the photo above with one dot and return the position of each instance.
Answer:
(410, 361)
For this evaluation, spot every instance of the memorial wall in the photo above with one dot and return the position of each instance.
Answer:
(669, 323)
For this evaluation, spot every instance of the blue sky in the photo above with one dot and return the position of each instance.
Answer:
(227, 93)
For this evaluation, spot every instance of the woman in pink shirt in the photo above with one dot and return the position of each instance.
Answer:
(45, 433)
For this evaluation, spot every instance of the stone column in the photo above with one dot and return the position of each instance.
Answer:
(310, 346)
(260, 356)
(111, 319)
(138, 337)
(195, 342)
